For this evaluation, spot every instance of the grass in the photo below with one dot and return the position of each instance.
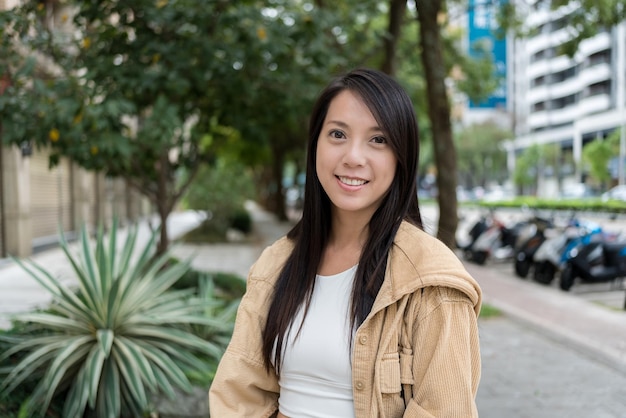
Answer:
(489, 311)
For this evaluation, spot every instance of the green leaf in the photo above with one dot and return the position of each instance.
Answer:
(75, 351)
(109, 396)
(29, 365)
(141, 363)
(93, 367)
(165, 363)
(78, 395)
(60, 323)
(105, 339)
(127, 368)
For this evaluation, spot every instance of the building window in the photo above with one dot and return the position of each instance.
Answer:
(537, 56)
(603, 87)
(539, 81)
(562, 102)
(538, 107)
(564, 75)
(602, 57)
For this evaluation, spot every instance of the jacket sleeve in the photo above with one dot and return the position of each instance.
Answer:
(242, 387)
(446, 356)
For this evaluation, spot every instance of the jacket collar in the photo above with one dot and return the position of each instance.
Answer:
(418, 260)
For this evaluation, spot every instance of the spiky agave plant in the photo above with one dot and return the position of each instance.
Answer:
(117, 336)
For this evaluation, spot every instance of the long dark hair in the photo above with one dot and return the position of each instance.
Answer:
(393, 110)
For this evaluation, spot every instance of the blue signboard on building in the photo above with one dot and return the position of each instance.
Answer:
(482, 28)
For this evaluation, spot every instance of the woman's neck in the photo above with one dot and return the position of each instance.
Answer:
(345, 244)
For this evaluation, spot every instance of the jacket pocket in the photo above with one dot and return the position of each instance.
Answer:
(390, 373)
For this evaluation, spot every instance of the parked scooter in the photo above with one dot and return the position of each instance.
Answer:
(525, 251)
(477, 229)
(498, 241)
(553, 253)
(595, 262)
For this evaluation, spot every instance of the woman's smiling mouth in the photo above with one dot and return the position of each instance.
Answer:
(351, 182)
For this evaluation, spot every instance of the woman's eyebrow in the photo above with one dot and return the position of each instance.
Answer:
(338, 123)
(344, 125)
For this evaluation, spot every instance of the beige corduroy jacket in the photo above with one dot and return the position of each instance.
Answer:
(419, 342)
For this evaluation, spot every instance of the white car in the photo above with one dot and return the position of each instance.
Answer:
(615, 193)
(576, 191)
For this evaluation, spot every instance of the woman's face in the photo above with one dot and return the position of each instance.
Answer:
(355, 163)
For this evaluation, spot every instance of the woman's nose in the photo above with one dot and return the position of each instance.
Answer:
(355, 154)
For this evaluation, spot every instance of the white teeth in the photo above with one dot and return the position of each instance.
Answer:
(351, 182)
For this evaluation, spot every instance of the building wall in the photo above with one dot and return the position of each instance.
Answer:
(50, 196)
(562, 100)
(39, 202)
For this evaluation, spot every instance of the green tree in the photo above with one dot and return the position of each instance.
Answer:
(397, 14)
(481, 157)
(527, 169)
(126, 88)
(433, 63)
(291, 51)
(597, 155)
(441, 56)
(143, 90)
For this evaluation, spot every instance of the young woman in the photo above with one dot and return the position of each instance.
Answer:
(357, 312)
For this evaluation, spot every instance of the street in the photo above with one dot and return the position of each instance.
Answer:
(526, 375)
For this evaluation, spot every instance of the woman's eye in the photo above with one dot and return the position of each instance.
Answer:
(336, 134)
(379, 140)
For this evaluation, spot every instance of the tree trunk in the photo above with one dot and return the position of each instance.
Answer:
(163, 204)
(397, 9)
(439, 115)
(163, 237)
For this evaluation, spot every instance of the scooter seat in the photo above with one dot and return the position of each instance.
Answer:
(615, 255)
(614, 249)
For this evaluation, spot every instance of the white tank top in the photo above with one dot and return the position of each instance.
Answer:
(316, 374)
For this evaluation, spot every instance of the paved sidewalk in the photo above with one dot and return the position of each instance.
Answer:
(552, 353)
(19, 292)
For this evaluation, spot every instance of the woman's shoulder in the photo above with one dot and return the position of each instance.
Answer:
(426, 253)
(420, 260)
(272, 259)
(414, 240)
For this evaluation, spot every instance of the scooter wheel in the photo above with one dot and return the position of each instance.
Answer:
(522, 265)
(544, 272)
(567, 278)
(479, 257)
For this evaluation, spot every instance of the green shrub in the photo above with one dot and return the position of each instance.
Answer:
(241, 221)
(207, 232)
(221, 190)
(228, 286)
(576, 205)
(121, 335)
